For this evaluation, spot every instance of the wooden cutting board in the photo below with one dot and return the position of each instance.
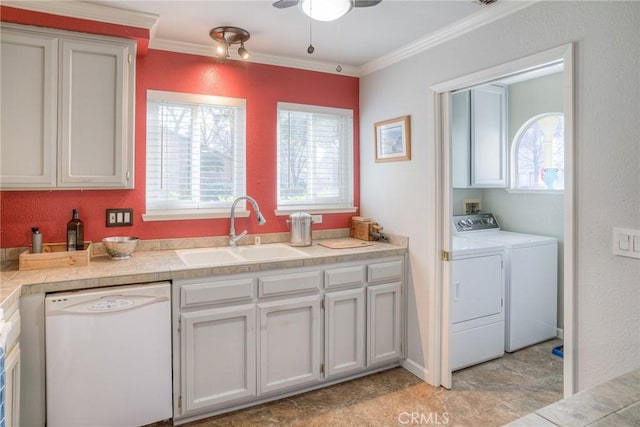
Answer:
(344, 243)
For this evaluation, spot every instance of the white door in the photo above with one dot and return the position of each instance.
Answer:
(289, 343)
(96, 111)
(218, 356)
(384, 323)
(344, 331)
(488, 137)
(28, 124)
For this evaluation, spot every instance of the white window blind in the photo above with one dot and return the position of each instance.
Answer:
(315, 157)
(195, 152)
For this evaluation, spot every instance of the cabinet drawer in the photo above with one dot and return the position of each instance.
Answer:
(337, 277)
(14, 330)
(217, 292)
(289, 283)
(391, 270)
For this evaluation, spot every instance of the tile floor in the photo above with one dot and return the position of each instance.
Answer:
(614, 403)
(490, 394)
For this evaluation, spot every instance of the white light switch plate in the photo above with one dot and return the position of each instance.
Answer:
(626, 242)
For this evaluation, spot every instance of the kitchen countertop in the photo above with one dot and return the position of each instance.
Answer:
(159, 265)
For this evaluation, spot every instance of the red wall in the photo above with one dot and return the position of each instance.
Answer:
(261, 85)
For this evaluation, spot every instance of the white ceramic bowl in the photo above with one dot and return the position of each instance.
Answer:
(120, 247)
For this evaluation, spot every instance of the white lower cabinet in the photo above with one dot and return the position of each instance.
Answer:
(218, 356)
(384, 323)
(289, 349)
(12, 368)
(254, 337)
(12, 388)
(344, 332)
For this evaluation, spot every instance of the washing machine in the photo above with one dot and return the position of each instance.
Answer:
(531, 278)
(476, 300)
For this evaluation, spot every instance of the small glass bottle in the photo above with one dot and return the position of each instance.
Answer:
(75, 233)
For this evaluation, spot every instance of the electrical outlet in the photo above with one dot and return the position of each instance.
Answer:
(317, 219)
(470, 206)
(119, 217)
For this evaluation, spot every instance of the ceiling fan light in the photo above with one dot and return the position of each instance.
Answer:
(325, 10)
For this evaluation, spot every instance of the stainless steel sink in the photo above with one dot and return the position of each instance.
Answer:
(239, 254)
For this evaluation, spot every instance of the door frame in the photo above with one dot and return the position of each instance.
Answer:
(439, 98)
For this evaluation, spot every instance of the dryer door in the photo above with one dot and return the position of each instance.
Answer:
(477, 288)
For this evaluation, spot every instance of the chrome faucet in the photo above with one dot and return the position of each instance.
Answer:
(232, 231)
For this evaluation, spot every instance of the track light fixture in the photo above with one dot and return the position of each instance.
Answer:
(227, 36)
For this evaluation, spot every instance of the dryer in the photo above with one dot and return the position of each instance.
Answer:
(476, 301)
(531, 278)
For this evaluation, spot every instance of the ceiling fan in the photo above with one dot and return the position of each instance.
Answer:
(325, 10)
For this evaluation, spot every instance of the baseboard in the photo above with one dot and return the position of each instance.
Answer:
(560, 333)
(417, 370)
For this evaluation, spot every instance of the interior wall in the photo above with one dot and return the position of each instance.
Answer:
(607, 87)
(261, 85)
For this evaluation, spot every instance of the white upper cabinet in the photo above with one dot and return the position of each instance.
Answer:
(68, 110)
(93, 134)
(488, 137)
(28, 124)
(478, 137)
(461, 139)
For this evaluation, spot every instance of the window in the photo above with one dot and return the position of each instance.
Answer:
(195, 154)
(315, 158)
(537, 161)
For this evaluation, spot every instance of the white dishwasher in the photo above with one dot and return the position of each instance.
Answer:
(108, 356)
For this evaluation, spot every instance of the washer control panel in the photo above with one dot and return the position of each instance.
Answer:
(475, 222)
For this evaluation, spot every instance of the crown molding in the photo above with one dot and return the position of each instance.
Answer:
(93, 12)
(280, 61)
(477, 20)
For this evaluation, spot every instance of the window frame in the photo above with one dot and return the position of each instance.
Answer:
(346, 205)
(189, 209)
(514, 152)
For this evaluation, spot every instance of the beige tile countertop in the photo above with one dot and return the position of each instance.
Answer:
(157, 261)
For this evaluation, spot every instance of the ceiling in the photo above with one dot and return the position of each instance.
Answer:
(357, 41)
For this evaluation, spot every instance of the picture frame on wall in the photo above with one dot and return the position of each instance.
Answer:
(393, 139)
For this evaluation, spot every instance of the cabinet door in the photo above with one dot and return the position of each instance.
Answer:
(96, 135)
(461, 139)
(344, 331)
(218, 354)
(289, 343)
(12, 390)
(384, 333)
(488, 137)
(28, 123)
